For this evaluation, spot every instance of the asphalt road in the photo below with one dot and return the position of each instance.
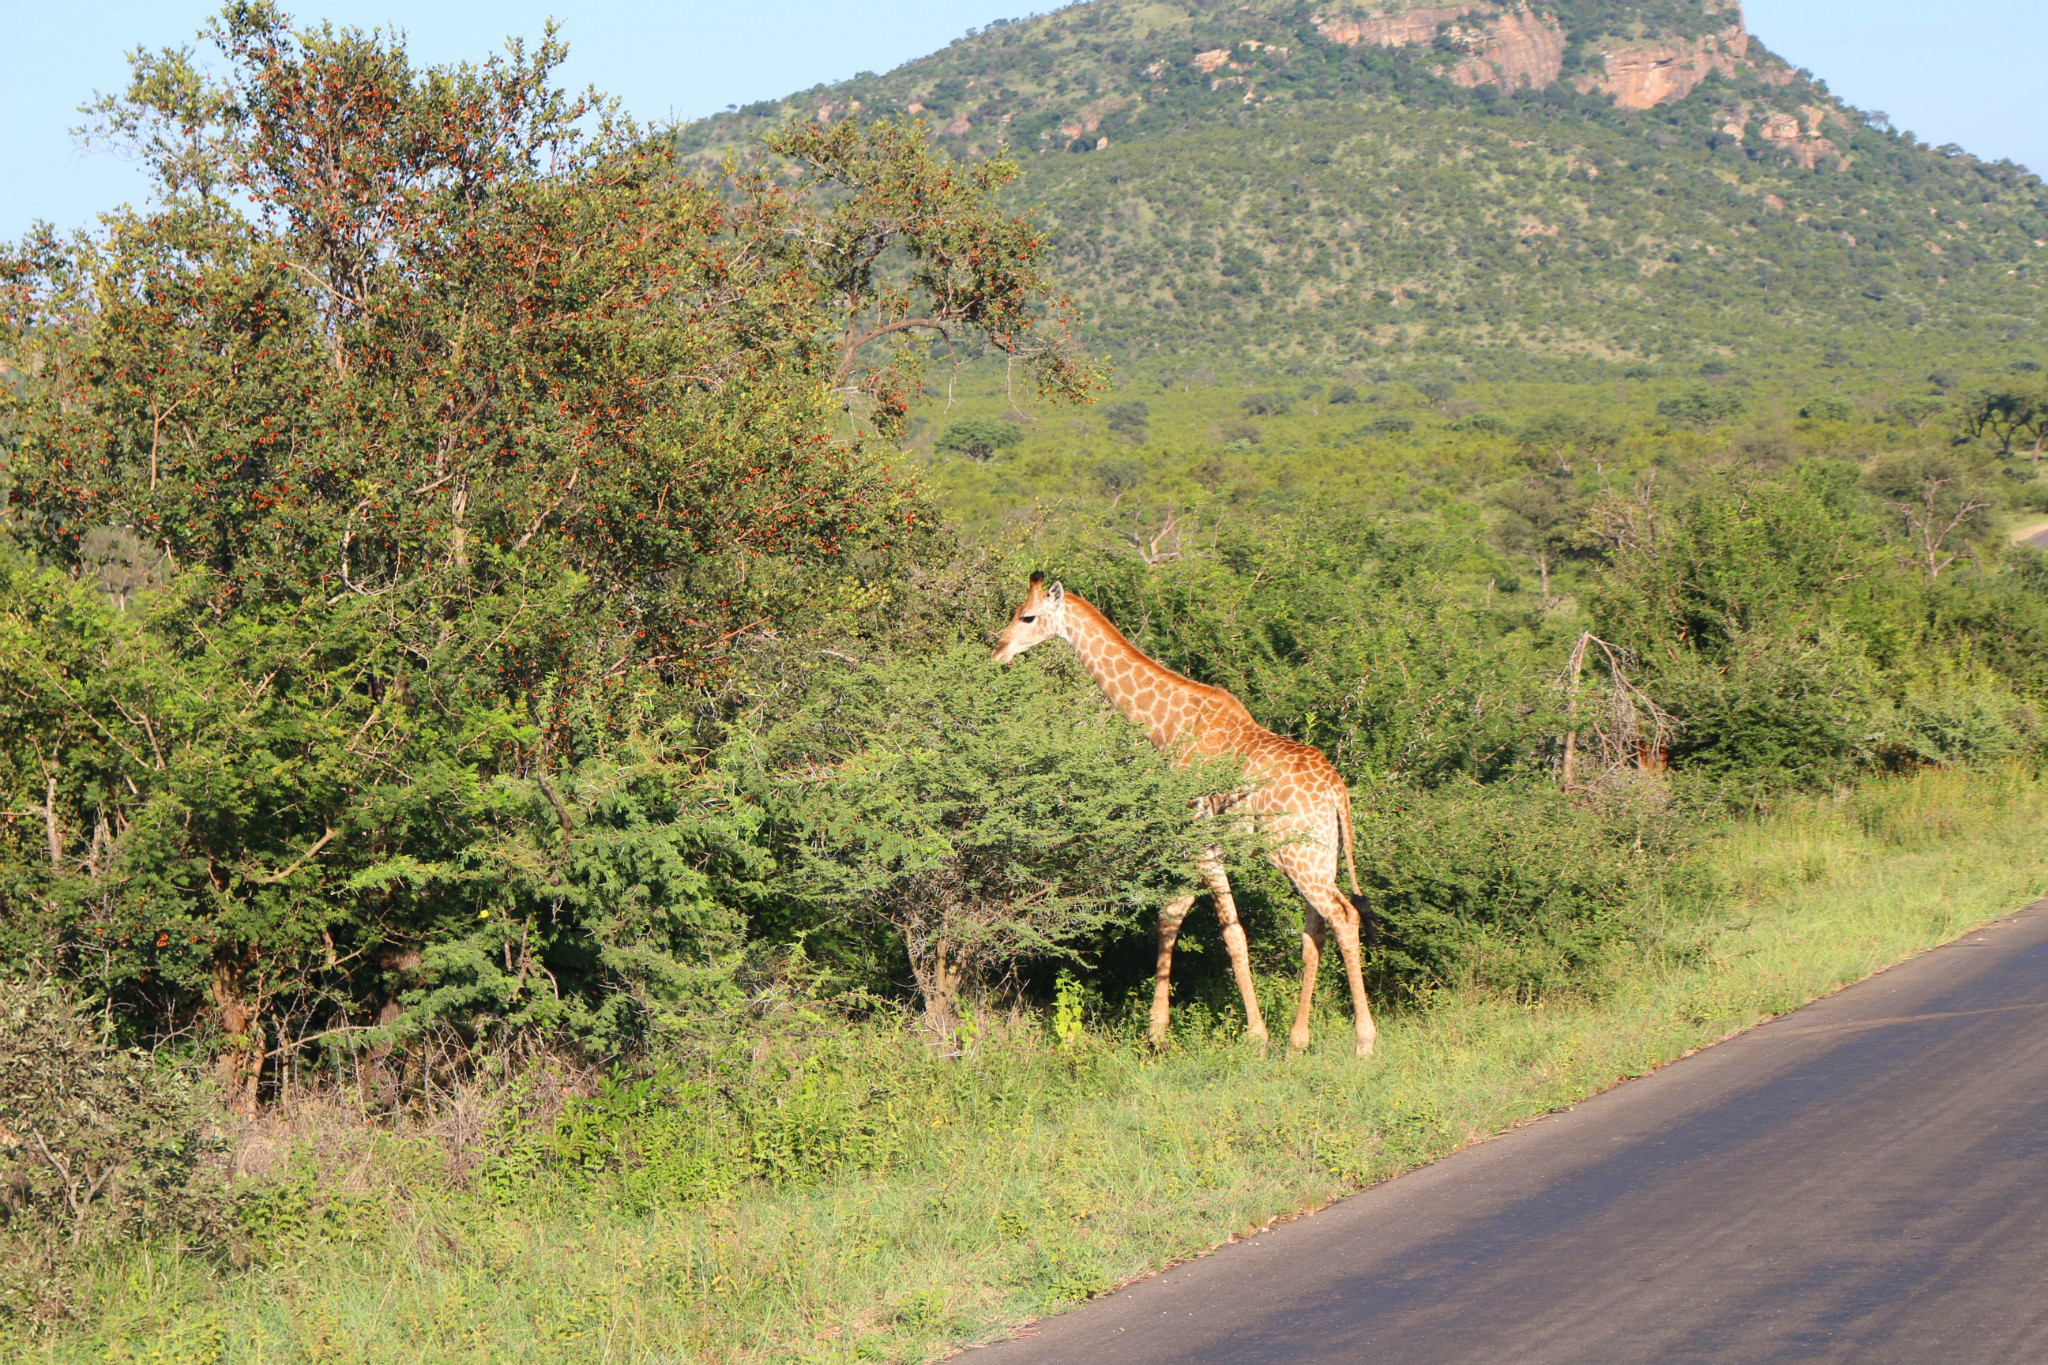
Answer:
(1863, 1180)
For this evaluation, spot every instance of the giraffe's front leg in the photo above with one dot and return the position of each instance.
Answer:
(1170, 916)
(1235, 944)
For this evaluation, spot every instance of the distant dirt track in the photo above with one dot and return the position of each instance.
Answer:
(1865, 1179)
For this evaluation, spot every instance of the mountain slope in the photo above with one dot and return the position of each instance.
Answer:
(1591, 178)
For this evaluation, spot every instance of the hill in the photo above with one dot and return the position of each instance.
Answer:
(1591, 180)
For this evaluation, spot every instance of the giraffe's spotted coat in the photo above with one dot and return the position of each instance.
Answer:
(1291, 789)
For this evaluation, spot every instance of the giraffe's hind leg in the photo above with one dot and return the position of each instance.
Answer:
(1312, 877)
(1235, 945)
(1345, 922)
(1313, 929)
(1170, 917)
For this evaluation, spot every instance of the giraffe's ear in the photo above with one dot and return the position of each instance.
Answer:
(1057, 593)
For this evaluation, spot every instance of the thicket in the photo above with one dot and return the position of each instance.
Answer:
(482, 612)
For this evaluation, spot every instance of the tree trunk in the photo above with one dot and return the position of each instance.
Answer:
(1571, 712)
(942, 993)
(240, 1066)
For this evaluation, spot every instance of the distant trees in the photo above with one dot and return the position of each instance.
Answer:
(1563, 439)
(2007, 414)
(1701, 407)
(1937, 504)
(980, 438)
(1130, 420)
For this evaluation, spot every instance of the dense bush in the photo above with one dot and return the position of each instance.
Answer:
(1774, 710)
(98, 1145)
(982, 818)
(377, 559)
(1507, 888)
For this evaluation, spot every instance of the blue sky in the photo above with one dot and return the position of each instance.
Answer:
(1966, 72)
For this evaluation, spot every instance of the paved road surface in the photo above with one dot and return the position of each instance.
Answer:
(1863, 1180)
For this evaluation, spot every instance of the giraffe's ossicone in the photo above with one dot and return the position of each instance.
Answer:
(1291, 789)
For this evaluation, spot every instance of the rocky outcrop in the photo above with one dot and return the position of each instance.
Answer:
(1410, 28)
(1519, 50)
(1516, 49)
(1798, 137)
(1639, 75)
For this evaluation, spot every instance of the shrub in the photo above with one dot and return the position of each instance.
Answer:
(981, 817)
(1701, 407)
(1343, 393)
(1266, 405)
(1828, 407)
(1771, 711)
(1510, 888)
(1391, 425)
(1953, 727)
(99, 1144)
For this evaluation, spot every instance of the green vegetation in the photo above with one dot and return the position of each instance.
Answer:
(866, 1205)
(1262, 187)
(507, 810)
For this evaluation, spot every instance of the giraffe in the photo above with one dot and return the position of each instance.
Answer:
(1294, 792)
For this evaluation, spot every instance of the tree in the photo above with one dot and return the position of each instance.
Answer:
(1701, 407)
(981, 817)
(1917, 410)
(1936, 504)
(1562, 438)
(472, 436)
(2006, 415)
(979, 438)
(1542, 517)
(1128, 419)
(1827, 407)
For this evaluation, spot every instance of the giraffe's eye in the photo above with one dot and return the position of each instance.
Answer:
(1027, 620)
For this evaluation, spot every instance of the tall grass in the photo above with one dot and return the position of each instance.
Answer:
(1033, 1175)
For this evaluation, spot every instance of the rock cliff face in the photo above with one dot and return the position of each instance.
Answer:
(1519, 50)
(1639, 75)
(1408, 28)
(1520, 47)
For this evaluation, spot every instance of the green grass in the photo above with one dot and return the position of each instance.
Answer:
(1028, 1178)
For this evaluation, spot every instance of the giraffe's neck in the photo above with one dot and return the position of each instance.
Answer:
(1146, 691)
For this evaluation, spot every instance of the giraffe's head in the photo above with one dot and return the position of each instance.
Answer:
(1041, 617)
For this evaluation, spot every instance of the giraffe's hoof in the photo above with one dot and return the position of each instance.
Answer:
(1298, 1039)
(1364, 1048)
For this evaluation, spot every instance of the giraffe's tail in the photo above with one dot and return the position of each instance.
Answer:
(1369, 921)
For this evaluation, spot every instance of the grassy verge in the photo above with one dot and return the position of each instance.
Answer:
(1034, 1177)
